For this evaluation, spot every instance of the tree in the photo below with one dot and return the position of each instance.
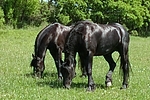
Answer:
(95, 8)
(146, 17)
(134, 14)
(17, 12)
(1, 17)
(73, 10)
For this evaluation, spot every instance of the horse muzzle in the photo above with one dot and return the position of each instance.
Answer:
(67, 86)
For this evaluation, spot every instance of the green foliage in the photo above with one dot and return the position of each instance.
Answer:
(16, 82)
(95, 14)
(1, 17)
(75, 9)
(134, 14)
(19, 12)
(63, 19)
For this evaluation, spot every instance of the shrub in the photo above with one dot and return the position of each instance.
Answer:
(1, 17)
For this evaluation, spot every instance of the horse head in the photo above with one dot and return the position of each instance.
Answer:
(38, 66)
(68, 72)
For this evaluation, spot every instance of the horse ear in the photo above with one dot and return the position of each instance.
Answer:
(33, 55)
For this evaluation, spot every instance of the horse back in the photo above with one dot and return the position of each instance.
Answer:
(52, 35)
(123, 32)
(101, 39)
(113, 36)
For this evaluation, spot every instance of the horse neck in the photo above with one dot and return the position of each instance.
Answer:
(41, 53)
(40, 49)
(70, 57)
(71, 47)
(70, 44)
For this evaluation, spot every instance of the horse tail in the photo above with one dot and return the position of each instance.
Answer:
(125, 65)
(128, 71)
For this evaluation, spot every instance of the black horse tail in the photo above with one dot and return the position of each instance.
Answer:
(125, 66)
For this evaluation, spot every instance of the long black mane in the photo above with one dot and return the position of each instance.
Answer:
(40, 37)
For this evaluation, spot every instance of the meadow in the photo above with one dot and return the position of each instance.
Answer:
(17, 83)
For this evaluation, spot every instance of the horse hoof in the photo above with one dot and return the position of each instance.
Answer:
(88, 89)
(83, 75)
(91, 88)
(66, 87)
(108, 84)
(36, 76)
(60, 78)
(124, 87)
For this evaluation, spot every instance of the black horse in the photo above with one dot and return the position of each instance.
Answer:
(52, 37)
(90, 39)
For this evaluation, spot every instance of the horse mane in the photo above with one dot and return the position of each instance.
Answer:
(42, 34)
(39, 38)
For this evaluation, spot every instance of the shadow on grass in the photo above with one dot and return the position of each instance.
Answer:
(58, 84)
(84, 85)
(52, 84)
(51, 80)
(28, 75)
(55, 83)
(45, 75)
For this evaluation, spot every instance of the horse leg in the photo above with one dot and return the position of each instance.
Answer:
(112, 66)
(56, 54)
(82, 61)
(60, 62)
(91, 84)
(125, 66)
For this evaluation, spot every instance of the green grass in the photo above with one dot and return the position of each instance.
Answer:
(16, 82)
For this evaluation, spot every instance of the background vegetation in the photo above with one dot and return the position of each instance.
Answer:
(17, 42)
(133, 14)
(16, 82)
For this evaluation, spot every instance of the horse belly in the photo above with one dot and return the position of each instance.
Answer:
(106, 47)
(103, 51)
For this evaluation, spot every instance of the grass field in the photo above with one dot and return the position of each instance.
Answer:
(16, 82)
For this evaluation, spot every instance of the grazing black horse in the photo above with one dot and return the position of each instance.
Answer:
(90, 39)
(52, 37)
